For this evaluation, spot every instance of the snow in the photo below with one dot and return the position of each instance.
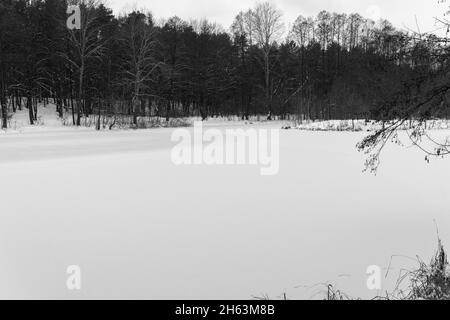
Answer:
(47, 120)
(140, 227)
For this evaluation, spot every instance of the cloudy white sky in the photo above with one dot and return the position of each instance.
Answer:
(401, 12)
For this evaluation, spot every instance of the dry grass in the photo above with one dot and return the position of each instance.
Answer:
(336, 295)
(427, 282)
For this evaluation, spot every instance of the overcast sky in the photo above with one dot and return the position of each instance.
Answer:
(400, 12)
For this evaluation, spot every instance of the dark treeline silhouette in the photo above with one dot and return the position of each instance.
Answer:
(333, 66)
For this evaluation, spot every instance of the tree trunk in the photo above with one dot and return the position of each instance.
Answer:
(80, 95)
(267, 74)
(35, 106)
(73, 110)
(4, 108)
(30, 109)
(134, 110)
(99, 117)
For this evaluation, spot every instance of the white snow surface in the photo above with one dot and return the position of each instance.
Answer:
(142, 228)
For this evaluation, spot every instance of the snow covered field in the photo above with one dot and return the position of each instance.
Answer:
(140, 227)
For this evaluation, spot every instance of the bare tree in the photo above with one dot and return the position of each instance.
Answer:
(267, 28)
(139, 63)
(243, 26)
(302, 31)
(87, 44)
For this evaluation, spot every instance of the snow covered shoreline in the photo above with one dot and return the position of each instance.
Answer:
(363, 125)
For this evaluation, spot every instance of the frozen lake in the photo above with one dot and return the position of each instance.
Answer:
(140, 227)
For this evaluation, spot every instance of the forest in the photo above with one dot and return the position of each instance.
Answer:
(135, 65)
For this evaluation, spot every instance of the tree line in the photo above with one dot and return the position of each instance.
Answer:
(332, 66)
